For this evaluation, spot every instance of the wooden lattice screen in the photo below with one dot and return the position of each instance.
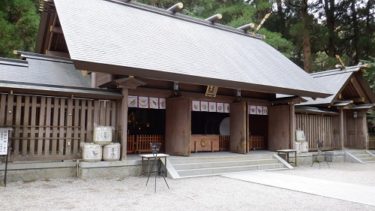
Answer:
(318, 127)
(51, 128)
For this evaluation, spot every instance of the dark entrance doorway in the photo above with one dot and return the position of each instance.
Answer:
(210, 131)
(258, 132)
(145, 126)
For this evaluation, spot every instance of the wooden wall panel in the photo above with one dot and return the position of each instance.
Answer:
(319, 127)
(178, 126)
(279, 127)
(50, 128)
(356, 130)
(102, 78)
(238, 127)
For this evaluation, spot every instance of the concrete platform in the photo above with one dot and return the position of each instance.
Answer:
(338, 190)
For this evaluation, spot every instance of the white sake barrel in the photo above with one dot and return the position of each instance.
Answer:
(91, 152)
(103, 135)
(111, 152)
(304, 146)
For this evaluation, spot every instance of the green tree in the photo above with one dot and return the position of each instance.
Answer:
(19, 21)
(235, 13)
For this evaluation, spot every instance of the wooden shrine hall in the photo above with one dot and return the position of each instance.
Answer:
(339, 121)
(194, 85)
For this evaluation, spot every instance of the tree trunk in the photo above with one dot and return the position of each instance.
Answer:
(356, 34)
(369, 30)
(306, 37)
(329, 8)
(281, 17)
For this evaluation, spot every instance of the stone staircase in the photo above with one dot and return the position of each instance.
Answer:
(363, 155)
(217, 164)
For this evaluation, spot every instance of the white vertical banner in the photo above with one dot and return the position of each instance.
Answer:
(220, 107)
(143, 102)
(162, 104)
(4, 141)
(196, 105)
(132, 101)
(226, 108)
(212, 106)
(204, 106)
(154, 102)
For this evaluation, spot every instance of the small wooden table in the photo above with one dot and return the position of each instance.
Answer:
(287, 152)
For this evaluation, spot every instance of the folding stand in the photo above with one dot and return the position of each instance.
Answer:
(156, 163)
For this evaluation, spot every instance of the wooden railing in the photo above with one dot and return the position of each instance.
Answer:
(224, 143)
(318, 128)
(51, 128)
(256, 142)
(141, 143)
(371, 144)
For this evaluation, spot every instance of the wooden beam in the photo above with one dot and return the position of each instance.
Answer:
(358, 88)
(55, 29)
(129, 82)
(51, 34)
(359, 100)
(57, 54)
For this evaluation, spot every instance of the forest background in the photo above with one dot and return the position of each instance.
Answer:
(309, 32)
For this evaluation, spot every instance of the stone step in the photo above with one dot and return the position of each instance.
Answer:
(216, 163)
(227, 169)
(182, 160)
(363, 155)
(368, 159)
(358, 152)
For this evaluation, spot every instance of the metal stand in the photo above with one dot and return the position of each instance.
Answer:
(155, 163)
(6, 169)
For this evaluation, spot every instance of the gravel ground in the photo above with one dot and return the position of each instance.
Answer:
(206, 193)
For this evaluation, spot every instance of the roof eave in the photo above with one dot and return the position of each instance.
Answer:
(161, 75)
(40, 89)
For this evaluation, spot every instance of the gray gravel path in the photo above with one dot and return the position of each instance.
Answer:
(206, 193)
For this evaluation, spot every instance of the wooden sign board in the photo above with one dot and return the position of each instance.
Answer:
(4, 141)
(211, 91)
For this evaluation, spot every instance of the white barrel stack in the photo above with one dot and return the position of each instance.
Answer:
(102, 147)
(102, 135)
(91, 152)
(111, 152)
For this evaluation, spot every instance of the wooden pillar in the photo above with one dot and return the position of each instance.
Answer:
(279, 127)
(292, 127)
(365, 130)
(93, 80)
(124, 123)
(178, 126)
(238, 127)
(342, 130)
(125, 84)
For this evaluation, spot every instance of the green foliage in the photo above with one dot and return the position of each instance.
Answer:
(19, 21)
(277, 41)
(369, 72)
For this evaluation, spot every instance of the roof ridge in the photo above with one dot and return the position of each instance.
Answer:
(349, 69)
(14, 62)
(33, 55)
(184, 17)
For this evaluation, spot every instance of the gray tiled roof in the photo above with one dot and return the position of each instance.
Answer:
(103, 32)
(41, 74)
(38, 69)
(333, 81)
